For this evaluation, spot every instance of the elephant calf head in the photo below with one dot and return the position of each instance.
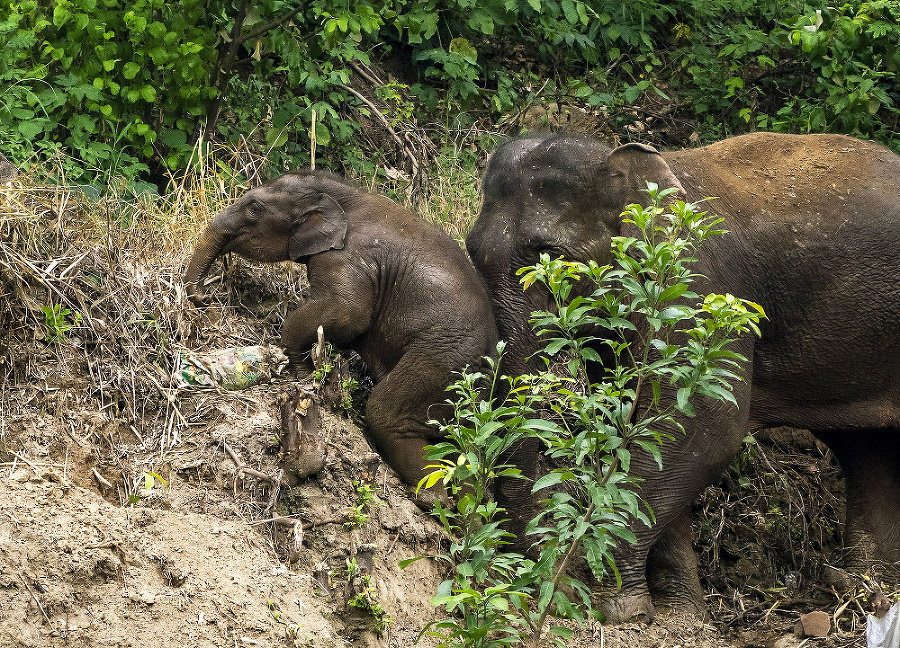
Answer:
(285, 219)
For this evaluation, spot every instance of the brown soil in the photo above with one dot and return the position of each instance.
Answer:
(125, 522)
(190, 564)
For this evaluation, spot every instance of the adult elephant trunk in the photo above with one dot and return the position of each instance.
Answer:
(512, 306)
(491, 253)
(209, 247)
(512, 312)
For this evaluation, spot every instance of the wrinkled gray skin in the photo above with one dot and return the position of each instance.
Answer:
(814, 237)
(383, 282)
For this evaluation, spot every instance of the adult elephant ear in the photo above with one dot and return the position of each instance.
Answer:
(640, 164)
(321, 225)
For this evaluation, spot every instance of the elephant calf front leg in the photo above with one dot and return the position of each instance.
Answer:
(341, 322)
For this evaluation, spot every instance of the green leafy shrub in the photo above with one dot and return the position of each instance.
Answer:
(142, 88)
(661, 336)
(780, 67)
(112, 86)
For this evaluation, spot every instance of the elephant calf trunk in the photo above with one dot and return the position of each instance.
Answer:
(208, 248)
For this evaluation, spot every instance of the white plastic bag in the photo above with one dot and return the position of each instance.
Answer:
(884, 632)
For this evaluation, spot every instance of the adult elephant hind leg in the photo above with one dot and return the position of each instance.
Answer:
(870, 461)
(672, 570)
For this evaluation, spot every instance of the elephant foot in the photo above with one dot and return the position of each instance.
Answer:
(621, 608)
(672, 575)
(688, 605)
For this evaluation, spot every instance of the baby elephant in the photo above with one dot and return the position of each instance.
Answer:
(383, 282)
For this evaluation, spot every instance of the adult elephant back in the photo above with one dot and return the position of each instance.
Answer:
(814, 237)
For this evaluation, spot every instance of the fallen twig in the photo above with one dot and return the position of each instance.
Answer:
(387, 125)
(244, 469)
(100, 478)
(34, 596)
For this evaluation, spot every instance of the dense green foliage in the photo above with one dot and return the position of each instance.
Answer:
(665, 345)
(140, 87)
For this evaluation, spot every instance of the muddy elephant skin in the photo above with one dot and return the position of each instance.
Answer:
(383, 282)
(814, 237)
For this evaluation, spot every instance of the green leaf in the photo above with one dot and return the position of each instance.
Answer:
(463, 48)
(148, 93)
(32, 128)
(130, 70)
(61, 15)
(323, 135)
(173, 138)
(276, 137)
(406, 562)
(673, 292)
(551, 479)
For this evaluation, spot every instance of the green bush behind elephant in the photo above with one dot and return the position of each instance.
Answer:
(814, 237)
(382, 281)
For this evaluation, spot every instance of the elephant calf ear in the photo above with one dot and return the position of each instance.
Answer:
(321, 226)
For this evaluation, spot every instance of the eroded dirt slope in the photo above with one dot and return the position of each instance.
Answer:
(125, 519)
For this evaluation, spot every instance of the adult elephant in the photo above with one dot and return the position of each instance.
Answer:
(382, 281)
(814, 238)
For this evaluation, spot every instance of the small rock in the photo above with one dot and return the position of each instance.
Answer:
(21, 475)
(814, 624)
(787, 641)
(144, 596)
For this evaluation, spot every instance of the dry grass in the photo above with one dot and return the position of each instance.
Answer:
(115, 264)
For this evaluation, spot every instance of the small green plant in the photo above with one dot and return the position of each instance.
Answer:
(356, 515)
(322, 371)
(150, 478)
(58, 322)
(366, 599)
(348, 388)
(291, 630)
(656, 335)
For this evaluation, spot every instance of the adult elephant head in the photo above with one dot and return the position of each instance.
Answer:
(560, 195)
(814, 229)
(382, 282)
